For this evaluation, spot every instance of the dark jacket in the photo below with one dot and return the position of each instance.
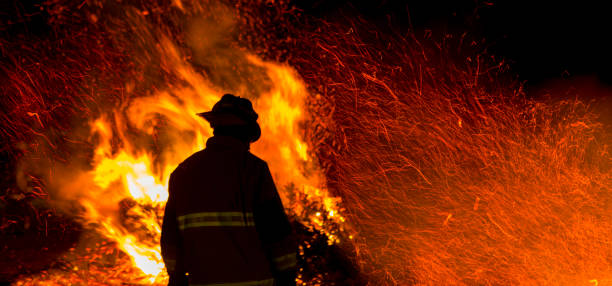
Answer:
(224, 223)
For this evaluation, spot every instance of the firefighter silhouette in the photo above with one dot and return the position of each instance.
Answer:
(224, 223)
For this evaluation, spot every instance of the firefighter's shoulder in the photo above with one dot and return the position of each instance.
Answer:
(188, 163)
(193, 160)
(259, 163)
(256, 159)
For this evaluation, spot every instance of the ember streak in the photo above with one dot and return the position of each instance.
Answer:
(402, 158)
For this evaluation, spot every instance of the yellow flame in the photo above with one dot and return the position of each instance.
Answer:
(141, 142)
(125, 171)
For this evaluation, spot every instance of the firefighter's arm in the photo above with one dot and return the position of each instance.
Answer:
(275, 231)
(170, 240)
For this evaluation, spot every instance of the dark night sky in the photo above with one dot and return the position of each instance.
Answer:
(547, 40)
(541, 39)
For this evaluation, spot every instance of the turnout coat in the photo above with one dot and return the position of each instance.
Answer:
(224, 223)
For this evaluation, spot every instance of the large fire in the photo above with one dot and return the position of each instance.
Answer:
(442, 169)
(127, 172)
(136, 145)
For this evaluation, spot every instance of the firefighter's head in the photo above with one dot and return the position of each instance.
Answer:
(234, 116)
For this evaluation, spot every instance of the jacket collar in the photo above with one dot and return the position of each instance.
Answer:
(226, 142)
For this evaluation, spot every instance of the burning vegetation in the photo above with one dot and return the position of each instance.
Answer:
(400, 160)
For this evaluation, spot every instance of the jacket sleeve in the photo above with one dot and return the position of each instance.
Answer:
(171, 248)
(275, 230)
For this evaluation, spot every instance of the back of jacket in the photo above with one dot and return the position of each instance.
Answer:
(224, 222)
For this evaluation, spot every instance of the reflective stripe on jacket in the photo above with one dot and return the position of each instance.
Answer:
(224, 222)
(206, 219)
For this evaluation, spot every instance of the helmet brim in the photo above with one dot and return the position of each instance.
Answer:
(222, 119)
(217, 119)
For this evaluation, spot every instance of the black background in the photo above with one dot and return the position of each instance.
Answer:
(542, 40)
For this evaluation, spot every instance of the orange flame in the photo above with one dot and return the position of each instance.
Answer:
(126, 170)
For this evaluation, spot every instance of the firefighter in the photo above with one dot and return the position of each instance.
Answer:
(224, 223)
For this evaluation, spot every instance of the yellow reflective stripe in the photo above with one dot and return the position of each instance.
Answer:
(204, 219)
(214, 214)
(170, 265)
(216, 223)
(285, 262)
(267, 282)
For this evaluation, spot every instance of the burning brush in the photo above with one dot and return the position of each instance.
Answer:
(114, 181)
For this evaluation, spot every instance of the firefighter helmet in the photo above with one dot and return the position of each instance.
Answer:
(233, 110)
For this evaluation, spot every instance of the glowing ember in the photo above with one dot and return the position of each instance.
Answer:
(449, 173)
